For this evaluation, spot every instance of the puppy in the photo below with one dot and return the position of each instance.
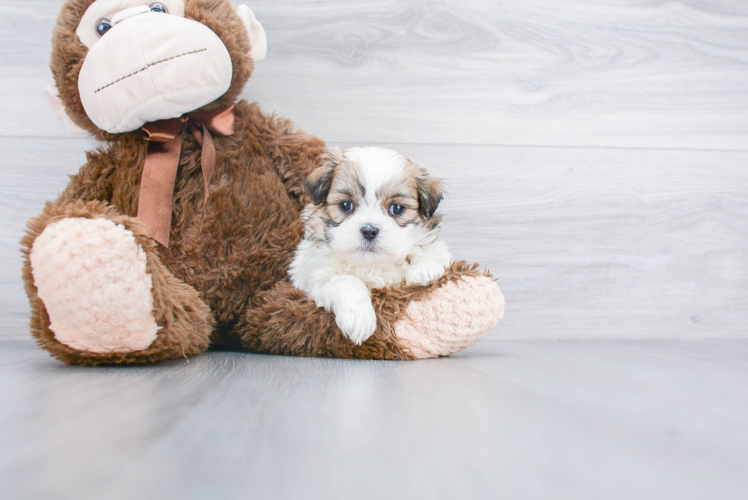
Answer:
(372, 224)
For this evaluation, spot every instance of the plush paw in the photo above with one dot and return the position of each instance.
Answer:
(91, 275)
(357, 320)
(453, 317)
(424, 273)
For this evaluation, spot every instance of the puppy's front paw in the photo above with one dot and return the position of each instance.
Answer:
(424, 273)
(357, 321)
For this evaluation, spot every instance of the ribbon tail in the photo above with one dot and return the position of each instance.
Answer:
(208, 163)
(157, 187)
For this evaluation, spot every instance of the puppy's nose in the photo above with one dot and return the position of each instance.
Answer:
(370, 232)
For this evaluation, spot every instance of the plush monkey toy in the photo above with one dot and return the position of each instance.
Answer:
(176, 235)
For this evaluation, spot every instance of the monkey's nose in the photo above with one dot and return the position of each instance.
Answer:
(370, 232)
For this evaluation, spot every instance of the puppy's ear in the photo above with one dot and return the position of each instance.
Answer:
(430, 194)
(317, 185)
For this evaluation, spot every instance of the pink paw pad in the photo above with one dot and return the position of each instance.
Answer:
(91, 276)
(452, 318)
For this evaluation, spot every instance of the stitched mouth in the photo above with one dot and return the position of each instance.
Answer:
(150, 65)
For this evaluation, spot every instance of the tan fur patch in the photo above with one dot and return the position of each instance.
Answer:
(316, 219)
(347, 185)
(402, 191)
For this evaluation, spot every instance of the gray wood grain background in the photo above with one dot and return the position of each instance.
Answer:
(596, 153)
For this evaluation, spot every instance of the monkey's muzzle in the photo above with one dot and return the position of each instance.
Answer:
(152, 67)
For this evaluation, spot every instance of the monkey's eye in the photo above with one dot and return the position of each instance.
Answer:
(346, 206)
(396, 209)
(102, 26)
(159, 7)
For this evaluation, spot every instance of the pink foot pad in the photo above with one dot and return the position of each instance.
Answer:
(91, 276)
(452, 318)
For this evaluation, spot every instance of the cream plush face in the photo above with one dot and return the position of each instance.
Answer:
(146, 61)
(373, 206)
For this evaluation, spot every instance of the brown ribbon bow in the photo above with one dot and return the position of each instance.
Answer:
(162, 161)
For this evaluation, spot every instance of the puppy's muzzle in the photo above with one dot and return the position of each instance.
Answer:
(369, 232)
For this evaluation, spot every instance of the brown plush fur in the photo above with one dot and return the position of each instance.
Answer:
(224, 282)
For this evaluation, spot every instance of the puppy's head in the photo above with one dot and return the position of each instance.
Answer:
(372, 205)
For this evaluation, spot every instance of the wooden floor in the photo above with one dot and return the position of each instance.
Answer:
(596, 158)
(541, 419)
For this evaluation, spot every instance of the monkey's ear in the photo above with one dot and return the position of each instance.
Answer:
(58, 109)
(256, 33)
(430, 194)
(317, 185)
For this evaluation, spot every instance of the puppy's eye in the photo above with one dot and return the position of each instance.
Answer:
(159, 7)
(102, 26)
(396, 209)
(346, 206)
